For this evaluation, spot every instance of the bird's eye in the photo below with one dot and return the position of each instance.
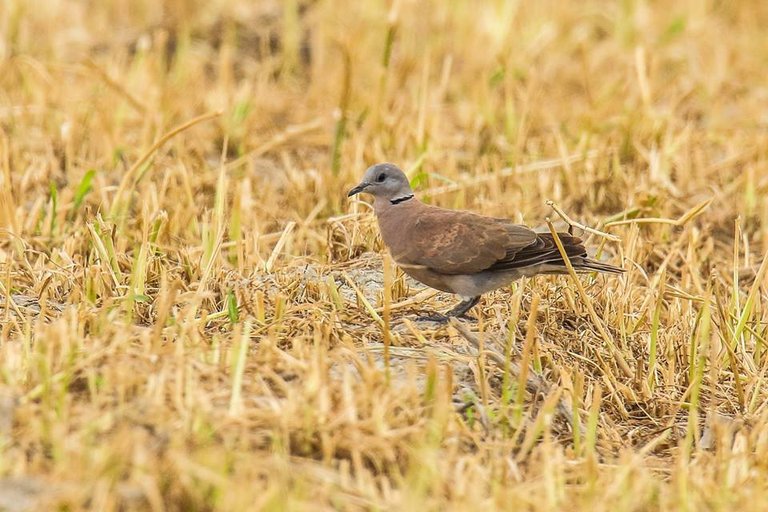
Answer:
(381, 177)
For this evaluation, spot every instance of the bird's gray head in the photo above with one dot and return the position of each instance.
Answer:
(384, 181)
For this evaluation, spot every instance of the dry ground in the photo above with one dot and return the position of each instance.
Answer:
(194, 317)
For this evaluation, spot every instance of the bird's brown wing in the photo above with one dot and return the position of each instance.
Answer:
(455, 242)
(542, 250)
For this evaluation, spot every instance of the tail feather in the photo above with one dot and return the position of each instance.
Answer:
(590, 265)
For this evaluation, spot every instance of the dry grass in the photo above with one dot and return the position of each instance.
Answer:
(194, 317)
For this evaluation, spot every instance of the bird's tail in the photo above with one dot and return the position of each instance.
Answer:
(590, 265)
(577, 253)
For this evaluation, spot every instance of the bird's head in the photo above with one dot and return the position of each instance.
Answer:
(384, 181)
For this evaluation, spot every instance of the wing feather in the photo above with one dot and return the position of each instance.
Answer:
(543, 250)
(456, 242)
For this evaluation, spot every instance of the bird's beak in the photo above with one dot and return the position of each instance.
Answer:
(358, 189)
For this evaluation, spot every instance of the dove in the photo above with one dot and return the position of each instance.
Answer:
(461, 252)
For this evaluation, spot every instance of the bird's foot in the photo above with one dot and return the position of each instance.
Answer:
(433, 317)
(444, 318)
(461, 309)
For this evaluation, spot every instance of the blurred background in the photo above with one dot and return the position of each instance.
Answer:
(668, 98)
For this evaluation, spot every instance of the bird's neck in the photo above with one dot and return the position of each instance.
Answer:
(401, 199)
(381, 204)
(396, 219)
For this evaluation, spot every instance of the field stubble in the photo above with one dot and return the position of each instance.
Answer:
(195, 318)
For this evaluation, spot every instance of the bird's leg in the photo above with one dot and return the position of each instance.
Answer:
(464, 306)
(459, 311)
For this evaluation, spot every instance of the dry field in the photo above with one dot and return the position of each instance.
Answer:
(193, 316)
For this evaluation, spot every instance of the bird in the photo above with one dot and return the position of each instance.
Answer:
(462, 252)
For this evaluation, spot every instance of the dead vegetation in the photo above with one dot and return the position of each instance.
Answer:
(193, 316)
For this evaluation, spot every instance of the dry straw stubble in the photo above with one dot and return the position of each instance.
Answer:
(194, 317)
